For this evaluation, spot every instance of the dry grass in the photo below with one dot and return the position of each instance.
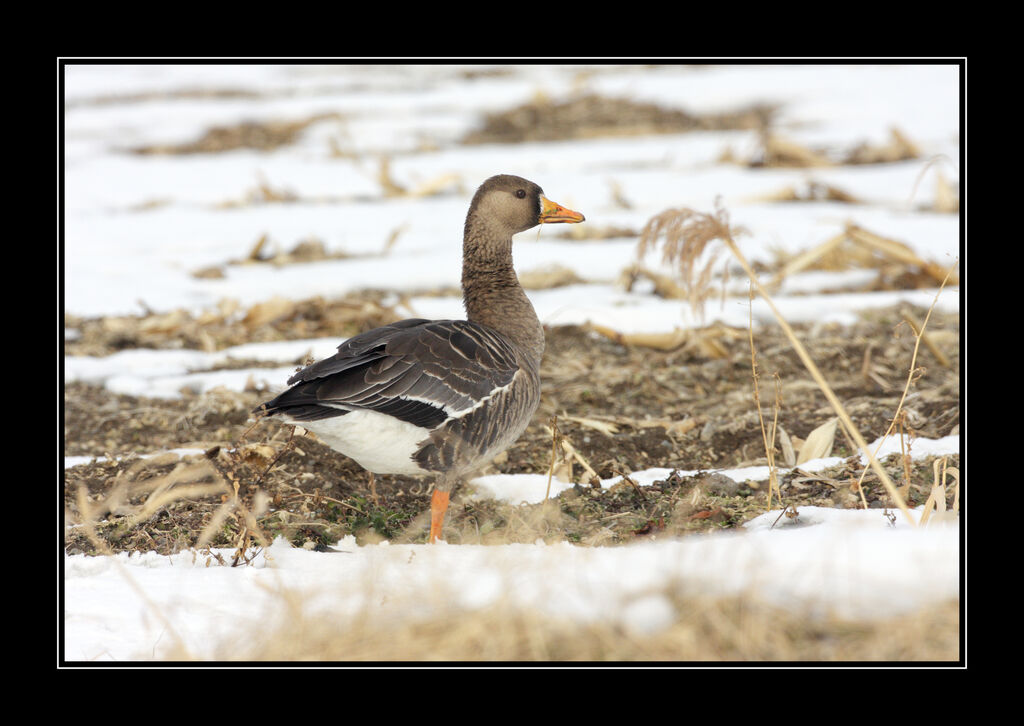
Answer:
(229, 324)
(777, 151)
(686, 235)
(588, 115)
(704, 630)
(938, 490)
(262, 135)
(856, 247)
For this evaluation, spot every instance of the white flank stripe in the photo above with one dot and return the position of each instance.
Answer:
(453, 413)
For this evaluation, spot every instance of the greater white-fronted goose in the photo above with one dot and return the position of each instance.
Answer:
(439, 397)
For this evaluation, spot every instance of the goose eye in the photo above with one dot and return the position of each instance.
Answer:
(521, 193)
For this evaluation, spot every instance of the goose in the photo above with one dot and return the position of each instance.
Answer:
(439, 398)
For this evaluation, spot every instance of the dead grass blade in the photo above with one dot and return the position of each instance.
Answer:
(548, 277)
(807, 258)
(899, 148)
(658, 341)
(955, 473)
(266, 312)
(898, 251)
(810, 191)
(783, 152)
(665, 286)
(554, 452)
(786, 444)
(605, 427)
(936, 501)
(768, 440)
(818, 443)
(704, 342)
(926, 339)
(946, 199)
(562, 466)
(389, 187)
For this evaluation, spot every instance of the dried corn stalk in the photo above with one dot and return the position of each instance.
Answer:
(685, 237)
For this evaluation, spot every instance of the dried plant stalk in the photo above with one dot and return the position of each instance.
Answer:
(569, 455)
(554, 450)
(688, 233)
(937, 497)
(912, 373)
(769, 441)
(898, 251)
(808, 258)
(926, 339)
(685, 235)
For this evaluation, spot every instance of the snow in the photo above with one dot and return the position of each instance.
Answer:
(846, 562)
(137, 226)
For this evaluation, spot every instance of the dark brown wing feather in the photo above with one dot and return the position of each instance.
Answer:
(419, 371)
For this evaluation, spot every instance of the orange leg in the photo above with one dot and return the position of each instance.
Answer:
(438, 507)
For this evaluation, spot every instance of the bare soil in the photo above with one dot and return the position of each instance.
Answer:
(621, 408)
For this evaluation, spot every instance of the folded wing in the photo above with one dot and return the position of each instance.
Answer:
(419, 371)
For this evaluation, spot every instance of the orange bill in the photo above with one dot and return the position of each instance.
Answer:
(550, 213)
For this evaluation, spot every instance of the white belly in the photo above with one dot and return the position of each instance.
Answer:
(377, 442)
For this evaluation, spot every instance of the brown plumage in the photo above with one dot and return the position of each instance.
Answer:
(439, 398)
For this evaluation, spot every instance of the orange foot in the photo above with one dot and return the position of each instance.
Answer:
(438, 507)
